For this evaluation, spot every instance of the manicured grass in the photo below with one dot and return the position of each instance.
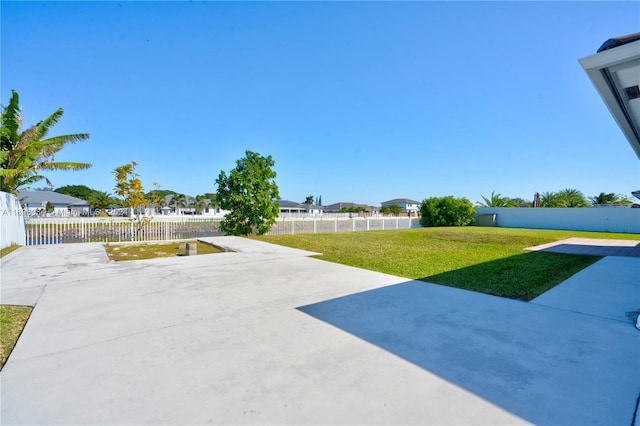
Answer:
(487, 260)
(12, 321)
(120, 252)
(5, 251)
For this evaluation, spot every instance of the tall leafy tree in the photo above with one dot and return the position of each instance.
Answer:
(25, 155)
(248, 192)
(395, 209)
(79, 191)
(308, 200)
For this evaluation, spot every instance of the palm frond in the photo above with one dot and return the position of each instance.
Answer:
(11, 121)
(23, 155)
(63, 139)
(46, 124)
(64, 165)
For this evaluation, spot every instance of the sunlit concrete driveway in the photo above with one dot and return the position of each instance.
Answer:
(268, 335)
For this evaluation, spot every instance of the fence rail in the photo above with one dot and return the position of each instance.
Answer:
(341, 224)
(41, 231)
(87, 230)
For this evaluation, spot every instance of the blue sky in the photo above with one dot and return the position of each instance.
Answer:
(357, 101)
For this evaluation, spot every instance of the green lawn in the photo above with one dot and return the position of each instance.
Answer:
(9, 249)
(12, 321)
(487, 260)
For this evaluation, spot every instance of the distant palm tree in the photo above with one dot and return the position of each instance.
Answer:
(603, 198)
(179, 201)
(24, 155)
(572, 198)
(101, 200)
(200, 204)
(496, 200)
(550, 199)
(610, 198)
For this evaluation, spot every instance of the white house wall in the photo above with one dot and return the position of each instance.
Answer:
(12, 229)
(601, 219)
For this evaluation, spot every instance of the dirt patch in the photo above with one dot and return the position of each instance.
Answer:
(139, 251)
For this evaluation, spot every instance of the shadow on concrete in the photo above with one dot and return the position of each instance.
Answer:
(593, 250)
(543, 365)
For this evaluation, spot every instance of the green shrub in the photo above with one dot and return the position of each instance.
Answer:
(446, 211)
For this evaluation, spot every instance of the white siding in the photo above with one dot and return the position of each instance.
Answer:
(12, 229)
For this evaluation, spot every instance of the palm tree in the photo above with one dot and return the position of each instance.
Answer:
(496, 200)
(550, 199)
(101, 200)
(200, 204)
(25, 154)
(179, 200)
(610, 198)
(603, 198)
(572, 198)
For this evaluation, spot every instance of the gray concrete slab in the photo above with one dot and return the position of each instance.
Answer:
(268, 335)
(592, 246)
(610, 288)
(25, 272)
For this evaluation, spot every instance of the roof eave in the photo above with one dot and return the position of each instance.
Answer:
(598, 68)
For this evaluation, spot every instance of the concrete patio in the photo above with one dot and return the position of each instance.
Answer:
(268, 335)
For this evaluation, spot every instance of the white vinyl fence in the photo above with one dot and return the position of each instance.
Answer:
(76, 230)
(315, 225)
(11, 222)
(600, 219)
(85, 230)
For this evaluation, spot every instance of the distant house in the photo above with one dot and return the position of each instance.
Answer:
(288, 207)
(35, 203)
(313, 210)
(345, 207)
(407, 205)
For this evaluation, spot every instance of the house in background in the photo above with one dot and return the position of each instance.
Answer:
(353, 207)
(313, 209)
(287, 206)
(291, 207)
(35, 203)
(411, 207)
